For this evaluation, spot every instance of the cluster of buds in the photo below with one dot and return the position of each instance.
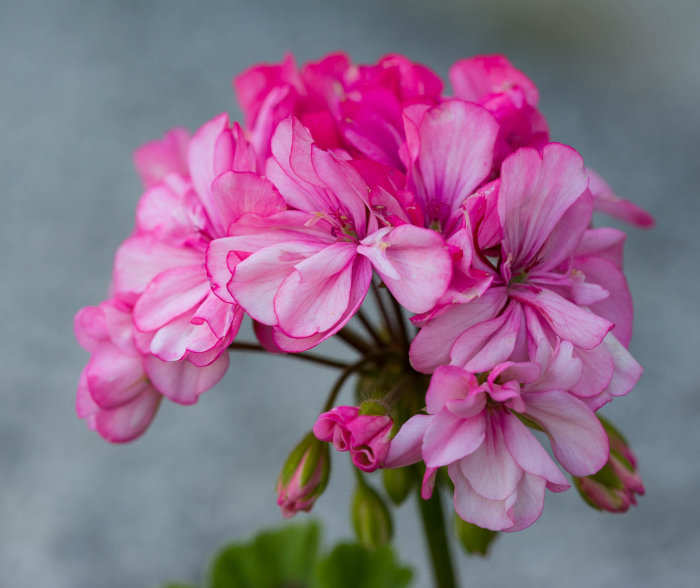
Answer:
(457, 209)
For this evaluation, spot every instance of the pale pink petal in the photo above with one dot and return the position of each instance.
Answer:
(627, 370)
(156, 159)
(221, 317)
(237, 193)
(315, 296)
(128, 421)
(113, 377)
(256, 280)
(140, 259)
(607, 202)
(405, 448)
(183, 382)
(530, 455)
(456, 152)
(219, 261)
(450, 383)
(491, 469)
(529, 504)
(413, 262)
(561, 370)
(569, 321)
(597, 369)
(90, 328)
(473, 508)
(578, 439)
(449, 438)
(170, 294)
(604, 242)
(535, 192)
(488, 343)
(431, 346)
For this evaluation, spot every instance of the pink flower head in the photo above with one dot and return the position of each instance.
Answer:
(365, 436)
(499, 469)
(180, 310)
(120, 389)
(305, 271)
(509, 95)
(552, 279)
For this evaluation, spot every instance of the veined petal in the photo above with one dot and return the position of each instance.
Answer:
(578, 439)
(413, 263)
(237, 193)
(405, 448)
(474, 508)
(449, 438)
(451, 383)
(183, 382)
(128, 421)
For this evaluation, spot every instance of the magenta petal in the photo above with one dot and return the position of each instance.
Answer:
(607, 202)
(578, 439)
(169, 295)
(449, 438)
(530, 455)
(316, 294)
(473, 508)
(90, 328)
(413, 262)
(219, 260)
(182, 381)
(405, 448)
(154, 160)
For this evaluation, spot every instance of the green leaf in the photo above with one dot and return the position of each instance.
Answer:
(350, 565)
(474, 539)
(274, 559)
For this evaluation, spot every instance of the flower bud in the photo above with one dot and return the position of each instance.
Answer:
(613, 488)
(304, 476)
(370, 517)
(398, 483)
(474, 539)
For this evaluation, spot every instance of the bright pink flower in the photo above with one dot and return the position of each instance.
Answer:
(120, 389)
(606, 201)
(306, 271)
(499, 469)
(155, 160)
(357, 108)
(365, 436)
(509, 95)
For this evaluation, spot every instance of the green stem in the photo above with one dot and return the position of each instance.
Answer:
(369, 327)
(349, 336)
(401, 326)
(433, 521)
(311, 357)
(347, 372)
(382, 311)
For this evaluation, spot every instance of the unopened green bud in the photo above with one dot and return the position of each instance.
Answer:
(474, 539)
(398, 483)
(370, 517)
(304, 476)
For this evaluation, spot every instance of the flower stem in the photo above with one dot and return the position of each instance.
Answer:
(369, 327)
(349, 336)
(434, 527)
(401, 326)
(347, 372)
(382, 310)
(311, 357)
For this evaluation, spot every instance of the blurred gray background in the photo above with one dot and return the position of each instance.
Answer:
(83, 83)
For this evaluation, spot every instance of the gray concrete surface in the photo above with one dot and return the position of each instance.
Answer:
(84, 83)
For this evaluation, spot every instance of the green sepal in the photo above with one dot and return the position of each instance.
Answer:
(370, 517)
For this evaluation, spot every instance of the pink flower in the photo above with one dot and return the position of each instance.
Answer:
(305, 271)
(499, 469)
(120, 389)
(356, 108)
(552, 279)
(365, 436)
(180, 310)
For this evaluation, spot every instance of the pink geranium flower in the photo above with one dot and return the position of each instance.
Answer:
(552, 279)
(499, 469)
(305, 271)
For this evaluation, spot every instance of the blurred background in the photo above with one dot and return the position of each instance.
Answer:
(83, 83)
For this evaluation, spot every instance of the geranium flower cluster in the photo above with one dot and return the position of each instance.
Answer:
(457, 208)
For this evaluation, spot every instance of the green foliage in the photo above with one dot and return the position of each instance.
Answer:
(474, 539)
(354, 566)
(290, 558)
